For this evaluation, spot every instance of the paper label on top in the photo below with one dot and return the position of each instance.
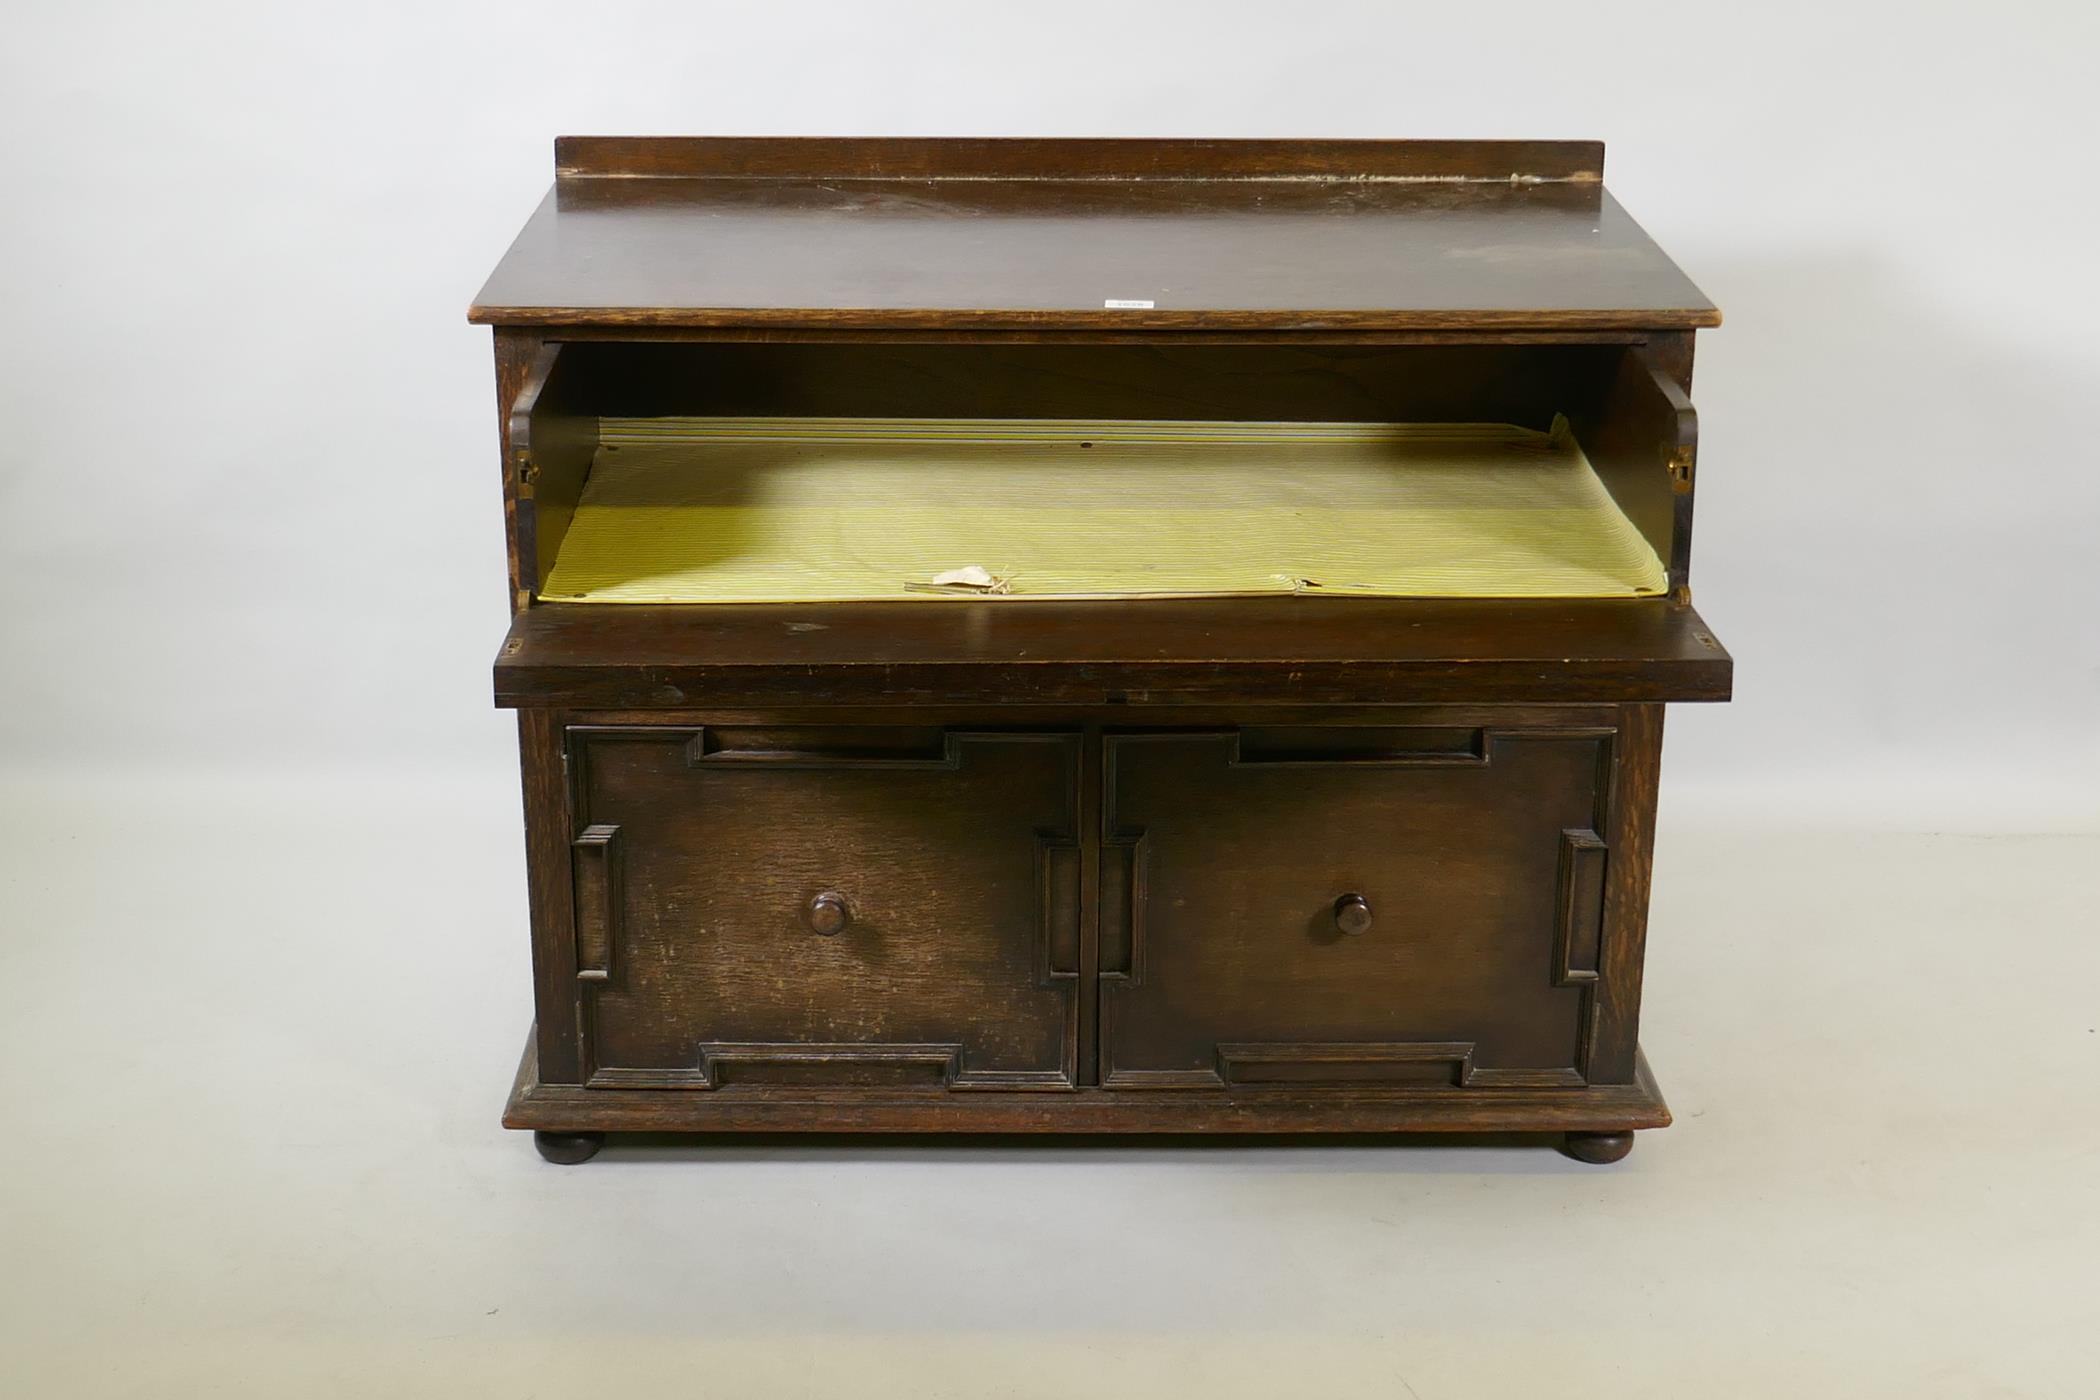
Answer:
(1127, 304)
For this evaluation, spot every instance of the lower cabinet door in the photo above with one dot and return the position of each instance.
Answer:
(826, 907)
(1351, 908)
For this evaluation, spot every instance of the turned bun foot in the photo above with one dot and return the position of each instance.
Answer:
(1599, 1148)
(567, 1149)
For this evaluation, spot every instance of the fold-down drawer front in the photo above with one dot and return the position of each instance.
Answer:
(822, 907)
(1352, 908)
(1197, 651)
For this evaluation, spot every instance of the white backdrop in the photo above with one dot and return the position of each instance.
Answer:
(237, 242)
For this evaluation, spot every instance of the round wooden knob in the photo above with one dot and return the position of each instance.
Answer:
(828, 914)
(1352, 914)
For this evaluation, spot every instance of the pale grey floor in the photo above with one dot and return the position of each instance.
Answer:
(256, 1037)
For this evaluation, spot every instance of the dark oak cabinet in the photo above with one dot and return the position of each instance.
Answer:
(1112, 830)
(834, 908)
(1378, 906)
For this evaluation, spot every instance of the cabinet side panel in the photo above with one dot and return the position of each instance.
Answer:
(515, 352)
(1641, 434)
(551, 890)
(1637, 764)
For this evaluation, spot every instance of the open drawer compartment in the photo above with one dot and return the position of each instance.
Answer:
(704, 473)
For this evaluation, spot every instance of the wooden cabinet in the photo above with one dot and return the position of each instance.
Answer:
(812, 907)
(1398, 905)
(824, 835)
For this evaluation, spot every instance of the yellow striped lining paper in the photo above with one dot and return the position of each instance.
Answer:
(749, 510)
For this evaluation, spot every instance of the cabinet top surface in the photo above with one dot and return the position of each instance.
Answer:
(1085, 235)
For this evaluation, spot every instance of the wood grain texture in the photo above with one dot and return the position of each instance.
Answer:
(535, 1103)
(551, 438)
(1229, 934)
(1090, 866)
(1052, 158)
(954, 861)
(549, 883)
(1213, 882)
(1319, 244)
(1259, 726)
(1642, 437)
(516, 352)
(614, 333)
(1625, 936)
(1251, 650)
